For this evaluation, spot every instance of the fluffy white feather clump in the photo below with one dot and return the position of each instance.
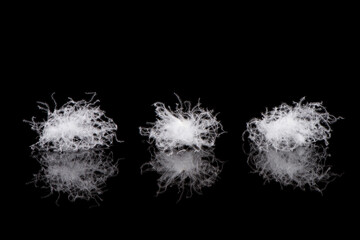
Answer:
(287, 127)
(188, 170)
(184, 127)
(286, 144)
(79, 175)
(77, 125)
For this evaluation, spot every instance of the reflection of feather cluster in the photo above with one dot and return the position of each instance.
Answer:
(287, 127)
(80, 175)
(188, 170)
(75, 126)
(283, 144)
(185, 127)
(300, 167)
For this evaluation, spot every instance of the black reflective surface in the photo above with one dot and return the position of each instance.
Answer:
(134, 192)
(236, 76)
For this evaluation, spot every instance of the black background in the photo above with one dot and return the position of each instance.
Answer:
(237, 66)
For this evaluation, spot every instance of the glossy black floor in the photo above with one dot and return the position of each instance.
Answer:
(236, 78)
